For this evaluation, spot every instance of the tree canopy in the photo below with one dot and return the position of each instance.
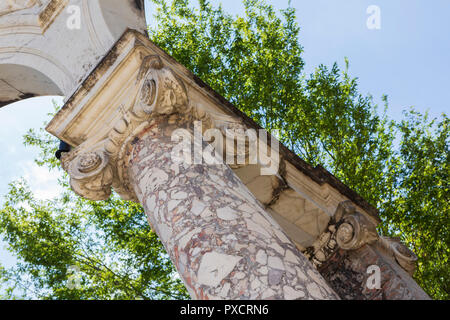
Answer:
(70, 248)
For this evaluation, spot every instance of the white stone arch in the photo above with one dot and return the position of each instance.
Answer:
(41, 55)
(26, 73)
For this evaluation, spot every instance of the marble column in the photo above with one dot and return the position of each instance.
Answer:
(222, 242)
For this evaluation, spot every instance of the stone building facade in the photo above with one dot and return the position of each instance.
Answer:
(234, 229)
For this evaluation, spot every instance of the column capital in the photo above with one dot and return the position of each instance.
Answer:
(347, 230)
(351, 230)
(134, 85)
(360, 264)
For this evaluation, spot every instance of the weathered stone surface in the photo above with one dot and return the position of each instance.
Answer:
(214, 267)
(346, 271)
(9, 6)
(275, 277)
(261, 257)
(293, 294)
(226, 213)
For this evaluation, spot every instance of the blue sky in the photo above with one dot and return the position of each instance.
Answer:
(408, 59)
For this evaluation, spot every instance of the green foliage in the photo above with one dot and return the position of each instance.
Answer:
(255, 62)
(72, 248)
(418, 210)
(106, 247)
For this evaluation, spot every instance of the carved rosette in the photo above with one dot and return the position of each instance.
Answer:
(237, 143)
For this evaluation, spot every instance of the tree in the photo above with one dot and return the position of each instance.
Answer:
(417, 210)
(254, 61)
(71, 248)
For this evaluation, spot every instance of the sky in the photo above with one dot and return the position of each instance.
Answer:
(407, 58)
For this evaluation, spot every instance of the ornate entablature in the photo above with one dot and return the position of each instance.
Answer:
(137, 86)
(137, 82)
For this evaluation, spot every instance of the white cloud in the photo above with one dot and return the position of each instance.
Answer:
(43, 183)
